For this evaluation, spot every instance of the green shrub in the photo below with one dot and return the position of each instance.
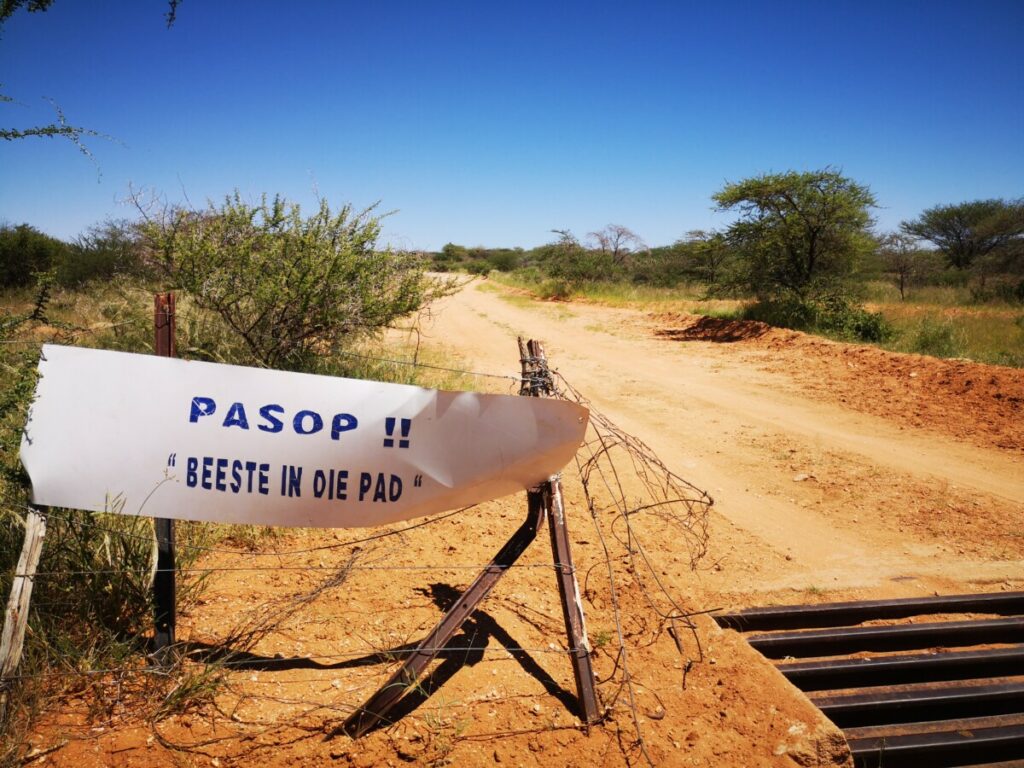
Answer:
(531, 275)
(26, 252)
(503, 259)
(1004, 291)
(555, 289)
(91, 602)
(781, 314)
(292, 288)
(101, 253)
(662, 267)
(937, 337)
(845, 319)
(568, 260)
(834, 316)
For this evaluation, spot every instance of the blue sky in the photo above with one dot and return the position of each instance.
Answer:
(493, 123)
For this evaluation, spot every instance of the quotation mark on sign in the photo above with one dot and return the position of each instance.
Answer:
(417, 481)
(389, 428)
(172, 459)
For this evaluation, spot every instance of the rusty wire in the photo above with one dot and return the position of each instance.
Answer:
(665, 495)
(610, 465)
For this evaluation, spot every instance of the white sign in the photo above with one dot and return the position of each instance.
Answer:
(200, 441)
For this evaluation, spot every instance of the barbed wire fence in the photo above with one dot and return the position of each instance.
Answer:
(628, 494)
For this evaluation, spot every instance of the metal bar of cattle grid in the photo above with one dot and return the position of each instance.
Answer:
(833, 642)
(912, 668)
(955, 747)
(935, 726)
(849, 613)
(947, 705)
(923, 701)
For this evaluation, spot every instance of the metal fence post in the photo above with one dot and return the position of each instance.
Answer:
(164, 586)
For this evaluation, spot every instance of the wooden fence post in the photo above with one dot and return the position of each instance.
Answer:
(164, 580)
(16, 618)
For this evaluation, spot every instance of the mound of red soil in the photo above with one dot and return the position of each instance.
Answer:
(972, 401)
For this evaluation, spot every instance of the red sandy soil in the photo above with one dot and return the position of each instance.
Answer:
(838, 472)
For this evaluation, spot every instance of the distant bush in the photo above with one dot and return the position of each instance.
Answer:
(101, 253)
(555, 289)
(566, 259)
(1006, 291)
(531, 275)
(937, 337)
(477, 260)
(26, 252)
(503, 259)
(663, 267)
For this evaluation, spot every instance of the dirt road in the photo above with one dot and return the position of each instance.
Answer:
(838, 472)
(813, 491)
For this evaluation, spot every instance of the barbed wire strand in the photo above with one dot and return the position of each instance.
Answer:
(417, 364)
(81, 519)
(295, 568)
(597, 448)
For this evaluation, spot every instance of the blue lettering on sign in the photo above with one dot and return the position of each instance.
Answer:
(389, 428)
(273, 424)
(315, 425)
(384, 488)
(245, 476)
(211, 474)
(304, 422)
(201, 406)
(236, 417)
(331, 484)
(342, 422)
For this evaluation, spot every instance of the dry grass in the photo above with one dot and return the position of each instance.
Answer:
(985, 334)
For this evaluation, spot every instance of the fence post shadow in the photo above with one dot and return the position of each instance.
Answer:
(467, 649)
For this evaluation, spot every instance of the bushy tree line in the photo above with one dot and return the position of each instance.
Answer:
(800, 244)
(100, 253)
(983, 239)
(286, 289)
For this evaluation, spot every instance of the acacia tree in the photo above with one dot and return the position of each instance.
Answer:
(292, 288)
(798, 235)
(617, 242)
(968, 232)
(903, 259)
(707, 255)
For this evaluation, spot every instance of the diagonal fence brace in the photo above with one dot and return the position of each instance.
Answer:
(544, 501)
(378, 705)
